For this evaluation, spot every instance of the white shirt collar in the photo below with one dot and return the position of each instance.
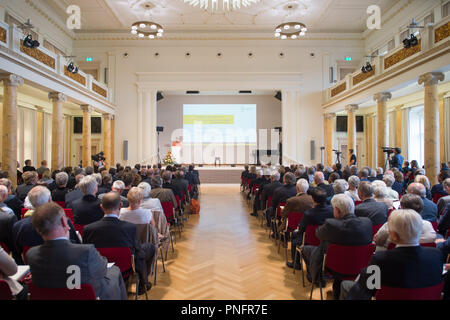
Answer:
(111, 215)
(407, 245)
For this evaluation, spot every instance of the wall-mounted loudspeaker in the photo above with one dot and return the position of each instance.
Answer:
(313, 149)
(125, 149)
(159, 129)
(278, 95)
(159, 96)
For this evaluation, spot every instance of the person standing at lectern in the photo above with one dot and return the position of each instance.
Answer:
(352, 157)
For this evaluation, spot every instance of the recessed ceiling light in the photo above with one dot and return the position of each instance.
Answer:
(286, 27)
(142, 25)
(277, 34)
(294, 36)
(153, 26)
(283, 37)
(141, 35)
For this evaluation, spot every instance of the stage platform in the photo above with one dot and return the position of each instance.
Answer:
(223, 174)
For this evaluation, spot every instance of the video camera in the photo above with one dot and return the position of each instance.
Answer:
(99, 157)
(388, 150)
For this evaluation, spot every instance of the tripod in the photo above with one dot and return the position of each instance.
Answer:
(159, 157)
(338, 155)
(386, 162)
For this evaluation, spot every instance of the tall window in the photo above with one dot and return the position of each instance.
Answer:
(416, 134)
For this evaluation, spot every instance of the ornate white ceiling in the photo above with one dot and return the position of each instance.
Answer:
(331, 16)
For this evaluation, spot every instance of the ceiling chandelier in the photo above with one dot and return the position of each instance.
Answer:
(291, 30)
(227, 5)
(148, 29)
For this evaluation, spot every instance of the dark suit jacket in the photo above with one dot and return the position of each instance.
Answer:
(281, 194)
(15, 204)
(403, 267)
(429, 211)
(23, 234)
(298, 203)
(49, 261)
(327, 187)
(72, 196)
(268, 191)
(87, 210)
(22, 191)
(376, 211)
(444, 222)
(397, 186)
(59, 194)
(112, 232)
(315, 216)
(7, 222)
(176, 191)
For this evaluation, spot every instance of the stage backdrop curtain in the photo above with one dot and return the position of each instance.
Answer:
(447, 127)
(26, 135)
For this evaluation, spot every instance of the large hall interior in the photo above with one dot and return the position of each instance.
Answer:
(224, 149)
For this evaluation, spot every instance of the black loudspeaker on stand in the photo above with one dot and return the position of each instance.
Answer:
(158, 130)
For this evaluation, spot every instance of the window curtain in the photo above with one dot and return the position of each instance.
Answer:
(392, 125)
(416, 134)
(374, 141)
(26, 137)
(47, 154)
(447, 127)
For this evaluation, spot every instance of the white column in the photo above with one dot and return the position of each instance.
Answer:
(149, 126)
(290, 104)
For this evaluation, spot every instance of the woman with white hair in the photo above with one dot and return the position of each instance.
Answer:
(424, 180)
(380, 193)
(352, 192)
(340, 186)
(134, 213)
(389, 180)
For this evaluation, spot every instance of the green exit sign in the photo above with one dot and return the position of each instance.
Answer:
(89, 59)
(348, 58)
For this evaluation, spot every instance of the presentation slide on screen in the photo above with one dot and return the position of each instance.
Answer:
(219, 123)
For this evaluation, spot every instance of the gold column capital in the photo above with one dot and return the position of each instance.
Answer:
(108, 116)
(431, 78)
(39, 108)
(86, 108)
(398, 108)
(57, 97)
(351, 107)
(382, 96)
(11, 80)
(329, 115)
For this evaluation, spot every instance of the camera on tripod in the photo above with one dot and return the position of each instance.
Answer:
(99, 157)
(337, 151)
(388, 150)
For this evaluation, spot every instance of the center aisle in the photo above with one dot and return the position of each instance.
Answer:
(224, 253)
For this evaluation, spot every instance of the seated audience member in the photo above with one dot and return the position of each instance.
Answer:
(76, 193)
(135, 213)
(269, 189)
(314, 216)
(244, 174)
(167, 183)
(429, 211)
(153, 204)
(332, 178)
(3, 196)
(326, 172)
(352, 191)
(49, 261)
(439, 189)
(444, 247)
(23, 233)
(254, 182)
(354, 171)
(181, 183)
(340, 186)
(42, 168)
(444, 222)
(319, 181)
(8, 268)
(257, 205)
(372, 176)
(29, 181)
(106, 184)
(281, 194)
(380, 173)
(7, 221)
(46, 179)
(380, 193)
(127, 179)
(344, 229)
(12, 201)
(110, 232)
(413, 202)
(164, 195)
(87, 209)
(149, 175)
(59, 194)
(399, 183)
(337, 168)
(389, 181)
(118, 186)
(364, 175)
(442, 202)
(421, 178)
(376, 211)
(407, 266)
(28, 166)
(299, 203)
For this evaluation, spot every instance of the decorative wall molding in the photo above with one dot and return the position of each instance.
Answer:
(339, 89)
(402, 54)
(363, 76)
(442, 32)
(38, 55)
(99, 90)
(76, 77)
(3, 34)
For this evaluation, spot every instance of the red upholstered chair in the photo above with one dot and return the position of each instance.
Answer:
(375, 228)
(5, 291)
(269, 200)
(124, 260)
(62, 204)
(86, 292)
(22, 212)
(435, 225)
(24, 253)
(358, 202)
(437, 196)
(274, 220)
(170, 216)
(291, 224)
(69, 214)
(79, 228)
(345, 262)
(428, 293)
(309, 238)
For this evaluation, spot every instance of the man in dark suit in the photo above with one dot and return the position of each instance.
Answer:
(181, 183)
(167, 184)
(28, 166)
(7, 221)
(319, 180)
(314, 216)
(257, 201)
(407, 266)
(111, 232)
(444, 246)
(337, 168)
(345, 229)
(23, 233)
(12, 201)
(270, 188)
(299, 203)
(29, 181)
(76, 193)
(429, 212)
(87, 209)
(281, 194)
(376, 211)
(49, 262)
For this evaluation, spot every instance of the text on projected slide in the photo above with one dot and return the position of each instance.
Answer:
(219, 123)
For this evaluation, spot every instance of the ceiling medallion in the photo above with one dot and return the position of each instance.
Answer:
(148, 29)
(291, 30)
(226, 5)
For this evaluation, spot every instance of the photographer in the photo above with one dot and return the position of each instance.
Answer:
(99, 161)
(397, 159)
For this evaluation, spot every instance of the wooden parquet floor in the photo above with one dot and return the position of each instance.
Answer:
(224, 253)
